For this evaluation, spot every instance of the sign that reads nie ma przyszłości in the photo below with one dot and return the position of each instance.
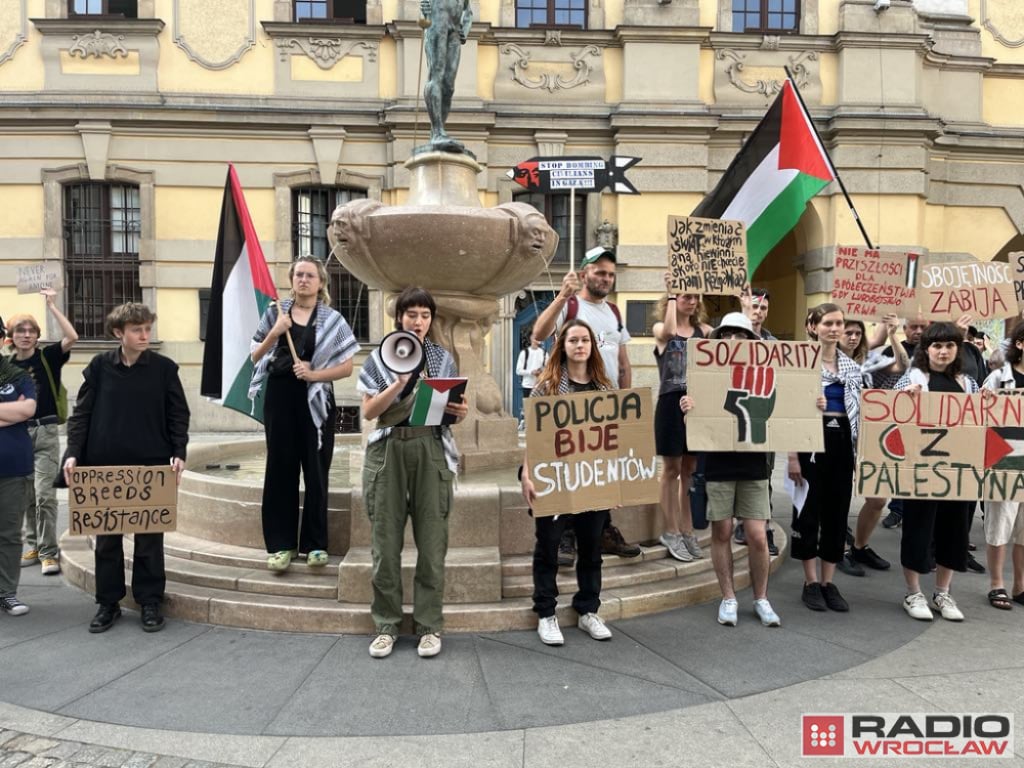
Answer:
(707, 255)
(108, 500)
(753, 395)
(941, 445)
(981, 289)
(591, 450)
(868, 284)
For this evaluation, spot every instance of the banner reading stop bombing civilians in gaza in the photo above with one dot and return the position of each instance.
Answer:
(941, 445)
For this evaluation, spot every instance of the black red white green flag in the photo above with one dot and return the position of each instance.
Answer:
(241, 291)
(769, 183)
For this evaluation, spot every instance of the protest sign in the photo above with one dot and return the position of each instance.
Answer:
(591, 450)
(754, 395)
(583, 174)
(108, 500)
(867, 284)
(707, 255)
(35, 277)
(982, 289)
(941, 445)
(1016, 260)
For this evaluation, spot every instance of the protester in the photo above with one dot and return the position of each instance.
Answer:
(17, 404)
(407, 473)
(299, 411)
(819, 529)
(585, 295)
(737, 486)
(682, 319)
(45, 364)
(1004, 520)
(528, 366)
(131, 410)
(936, 367)
(575, 366)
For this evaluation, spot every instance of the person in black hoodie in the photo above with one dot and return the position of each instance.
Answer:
(131, 410)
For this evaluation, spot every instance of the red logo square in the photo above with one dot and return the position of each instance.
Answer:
(823, 735)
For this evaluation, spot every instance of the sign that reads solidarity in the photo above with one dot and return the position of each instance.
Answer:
(707, 255)
(753, 395)
(868, 284)
(941, 445)
(584, 174)
(982, 289)
(591, 450)
(109, 500)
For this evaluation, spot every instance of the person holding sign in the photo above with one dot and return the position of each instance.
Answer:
(575, 365)
(131, 410)
(45, 364)
(936, 367)
(819, 528)
(407, 473)
(17, 404)
(683, 318)
(313, 347)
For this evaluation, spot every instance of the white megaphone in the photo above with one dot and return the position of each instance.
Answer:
(401, 352)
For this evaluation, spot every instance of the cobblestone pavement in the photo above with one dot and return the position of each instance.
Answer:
(24, 750)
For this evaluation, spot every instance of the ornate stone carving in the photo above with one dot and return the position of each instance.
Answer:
(767, 87)
(12, 27)
(1004, 16)
(607, 234)
(325, 51)
(553, 37)
(549, 81)
(770, 43)
(99, 44)
(214, 33)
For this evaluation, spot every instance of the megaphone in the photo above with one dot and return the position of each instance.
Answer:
(401, 352)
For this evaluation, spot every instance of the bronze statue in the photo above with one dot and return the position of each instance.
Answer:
(450, 21)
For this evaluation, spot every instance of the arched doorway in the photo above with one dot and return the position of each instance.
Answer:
(528, 306)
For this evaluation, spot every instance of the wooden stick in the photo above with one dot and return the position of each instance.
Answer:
(288, 335)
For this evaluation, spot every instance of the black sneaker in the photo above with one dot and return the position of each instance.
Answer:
(892, 520)
(739, 535)
(152, 621)
(833, 599)
(850, 567)
(974, 565)
(867, 556)
(813, 597)
(104, 619)
(773, 548)
(849, 536)
(613, 543)
(567, 550)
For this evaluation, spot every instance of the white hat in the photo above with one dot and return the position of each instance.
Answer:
(735, 321)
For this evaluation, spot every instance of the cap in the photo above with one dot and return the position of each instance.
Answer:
(598, 252)
(735, 321)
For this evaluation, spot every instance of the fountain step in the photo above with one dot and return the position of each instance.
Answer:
(202, 550)
(471, 575)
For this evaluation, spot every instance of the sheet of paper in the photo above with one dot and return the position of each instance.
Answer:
(798, 493)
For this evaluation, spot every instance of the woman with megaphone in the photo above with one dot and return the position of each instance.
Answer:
(408, 472)
(311, 346)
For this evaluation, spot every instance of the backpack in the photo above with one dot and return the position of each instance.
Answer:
(60, 397)
(572, 308)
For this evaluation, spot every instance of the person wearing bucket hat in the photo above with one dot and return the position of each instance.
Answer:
(737, 487)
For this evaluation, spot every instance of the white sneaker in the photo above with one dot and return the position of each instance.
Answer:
(690, 542)
(673, 542)
(727, 612)
(549, 632)
(768, 617)
(946, 605)
(916, 606)
(592, 624)
(430, 645)
(382, 646)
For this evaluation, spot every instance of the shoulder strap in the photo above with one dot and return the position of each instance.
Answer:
(572, 308)
(49, 375)
(618, 315)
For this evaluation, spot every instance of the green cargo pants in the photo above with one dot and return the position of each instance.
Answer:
(405, 475)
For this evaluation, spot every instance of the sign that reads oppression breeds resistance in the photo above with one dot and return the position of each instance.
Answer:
(707, 255)
(941, 445)
(868, 284)
(591, 450)
(753, 395)
(109, 500)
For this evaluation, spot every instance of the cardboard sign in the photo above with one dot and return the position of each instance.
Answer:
(592, 450)
(584, 174)
(982, 289)
(941, 445)
(867, 284)
(1016, 260)
(707, 255)
(108, 500)
(754, 395)
(35, 277)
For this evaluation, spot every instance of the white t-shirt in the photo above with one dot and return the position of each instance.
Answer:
(602, 319)
(530, 360)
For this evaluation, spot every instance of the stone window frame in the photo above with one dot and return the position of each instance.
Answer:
(808, 19)
(555, 25)
(58, 9)
(594, 15)
(284, 13)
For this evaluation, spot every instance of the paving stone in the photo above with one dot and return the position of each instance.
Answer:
(139, 760)
(38, 762)
(12, 759)
(102, 757)
(64, 750)
(34, 745)
(166, 761)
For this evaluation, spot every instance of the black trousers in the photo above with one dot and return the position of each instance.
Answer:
(588, 527)
(819, 530)
(945, 523)
(148, 576)
(291, 446)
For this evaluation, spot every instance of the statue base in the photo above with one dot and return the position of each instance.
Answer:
(443, 178)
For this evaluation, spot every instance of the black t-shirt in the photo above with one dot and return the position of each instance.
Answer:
(943, 382)
(730, 465)
(575, 386)
(56, 357)
(1018, 378)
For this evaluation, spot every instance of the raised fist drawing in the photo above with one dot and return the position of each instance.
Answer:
(751, 400)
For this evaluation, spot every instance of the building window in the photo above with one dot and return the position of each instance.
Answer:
(311, 212)
(641, 317)
(551, 13)
(766, 15)
(102, 225)
(335, 11)
(128, 9)
(555, 208)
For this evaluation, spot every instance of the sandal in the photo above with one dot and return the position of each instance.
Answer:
(1019, 598)
(279, 561)
(998, 598)
(316, 559)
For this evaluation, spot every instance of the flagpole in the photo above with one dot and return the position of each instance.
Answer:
(288, 335)
(831, 165)
(572, 228)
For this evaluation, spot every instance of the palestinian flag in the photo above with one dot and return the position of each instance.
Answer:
(1004, 448)
(239, 295)
(429, 399)
(777, 171)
